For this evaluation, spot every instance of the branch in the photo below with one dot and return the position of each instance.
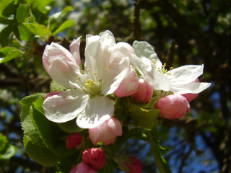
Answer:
(160, 161)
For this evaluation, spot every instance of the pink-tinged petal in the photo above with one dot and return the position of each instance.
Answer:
(144, 92)
(94, 135)
(173, 106)
(149, 93)
(74, 48)
(65, 106)
(128, 86)
(101, 134)
(115, 126)
(106, 132)
(52, 93)
(190, 97)
(60, 65)
(82, 168)
(117, 67)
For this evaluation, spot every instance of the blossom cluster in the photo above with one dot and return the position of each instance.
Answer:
(113, 71)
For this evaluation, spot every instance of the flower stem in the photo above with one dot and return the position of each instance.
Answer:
(160, 161)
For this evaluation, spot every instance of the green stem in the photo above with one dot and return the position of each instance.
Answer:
(160, 161)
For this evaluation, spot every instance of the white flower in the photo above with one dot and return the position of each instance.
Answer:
(179, 80)
(106, 65)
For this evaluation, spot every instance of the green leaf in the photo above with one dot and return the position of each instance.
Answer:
(38, 29)
(39, 153)
(67, 24)
(3, 142)
(6, 150)
(10, 152)
(10, 10)
(23, 12)
(10, 53)
(42, 133)
(145, 118)
(40, 4)
(4, 4)
(48, 130)
(33, 142)
(26, 118)
(70, 127)
(4, 20)
(61, 14)
(24, 33)
(56, 19)
(4, 35)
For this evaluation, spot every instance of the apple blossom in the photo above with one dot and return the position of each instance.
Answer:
(178, 81)
(82, 168)
(94, 157)
(107, 64)
(106, 132)
(173, 106)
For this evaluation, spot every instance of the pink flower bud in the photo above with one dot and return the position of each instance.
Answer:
(143, 93)
(173, 106)
(106, 132)
(94, 157)
(82, 168)
(134, 165)
(128, 86)
(190, 97)
(73, 140)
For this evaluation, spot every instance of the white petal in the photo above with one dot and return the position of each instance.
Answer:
(60, 64)
(65, 106)
(98, 110)
(115, 67)
(144, 49)
(74, 48)
(144, 67)
(185, 74)
(106, 39)
(194, 88)
(161, 81)
(95, 51)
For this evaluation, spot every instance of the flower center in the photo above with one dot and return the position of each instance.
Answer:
(92, 87)
(161, 69)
